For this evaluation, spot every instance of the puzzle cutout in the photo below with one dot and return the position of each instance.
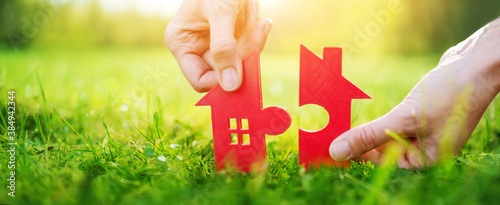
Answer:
(239, 122)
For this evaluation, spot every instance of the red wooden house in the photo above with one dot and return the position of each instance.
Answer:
(240, 124)
(322, 83)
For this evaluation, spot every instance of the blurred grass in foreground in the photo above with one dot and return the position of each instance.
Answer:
(120, 127)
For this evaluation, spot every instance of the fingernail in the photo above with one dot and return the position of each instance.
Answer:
(268, 26)
(229, 81)
(340, 151)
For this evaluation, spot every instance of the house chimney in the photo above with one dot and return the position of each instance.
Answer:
(332, 59)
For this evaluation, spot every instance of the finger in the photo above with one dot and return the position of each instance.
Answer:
(410, 159)
(227, 63)
(257, 39)
(245, 21)
(372, 156)
(198, 73)
(241, 20)
(207, 56)
(402, 156)
(415, 159)
(254, 28)
(403, 162)
(366, 137)
(428, 152)
(253, 14)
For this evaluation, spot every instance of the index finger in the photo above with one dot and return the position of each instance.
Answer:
(198, 73)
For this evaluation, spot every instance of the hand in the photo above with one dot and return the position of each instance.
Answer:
(442, 109)
(209, 39)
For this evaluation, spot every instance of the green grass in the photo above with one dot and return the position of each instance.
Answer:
(118, 126)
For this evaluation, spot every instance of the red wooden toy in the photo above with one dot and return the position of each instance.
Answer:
(240, 124)
(322, 83)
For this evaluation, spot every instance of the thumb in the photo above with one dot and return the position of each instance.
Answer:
(227, 63)
(359, 140)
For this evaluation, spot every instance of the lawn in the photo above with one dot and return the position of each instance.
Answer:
(119, 126)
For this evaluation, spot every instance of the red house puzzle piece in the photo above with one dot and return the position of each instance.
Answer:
(322, 83)
(239, 123)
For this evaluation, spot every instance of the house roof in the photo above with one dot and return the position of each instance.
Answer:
(322, 78)
(249, 94)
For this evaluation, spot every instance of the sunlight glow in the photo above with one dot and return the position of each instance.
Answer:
(163, 8)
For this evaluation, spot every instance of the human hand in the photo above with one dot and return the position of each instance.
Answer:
(440, 112)
(209, 39)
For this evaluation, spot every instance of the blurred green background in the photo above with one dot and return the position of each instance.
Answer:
(392, 26)
(106, 117)
(85, 49)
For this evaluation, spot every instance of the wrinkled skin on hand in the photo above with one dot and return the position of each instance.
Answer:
(209, 39)
(442, 109)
